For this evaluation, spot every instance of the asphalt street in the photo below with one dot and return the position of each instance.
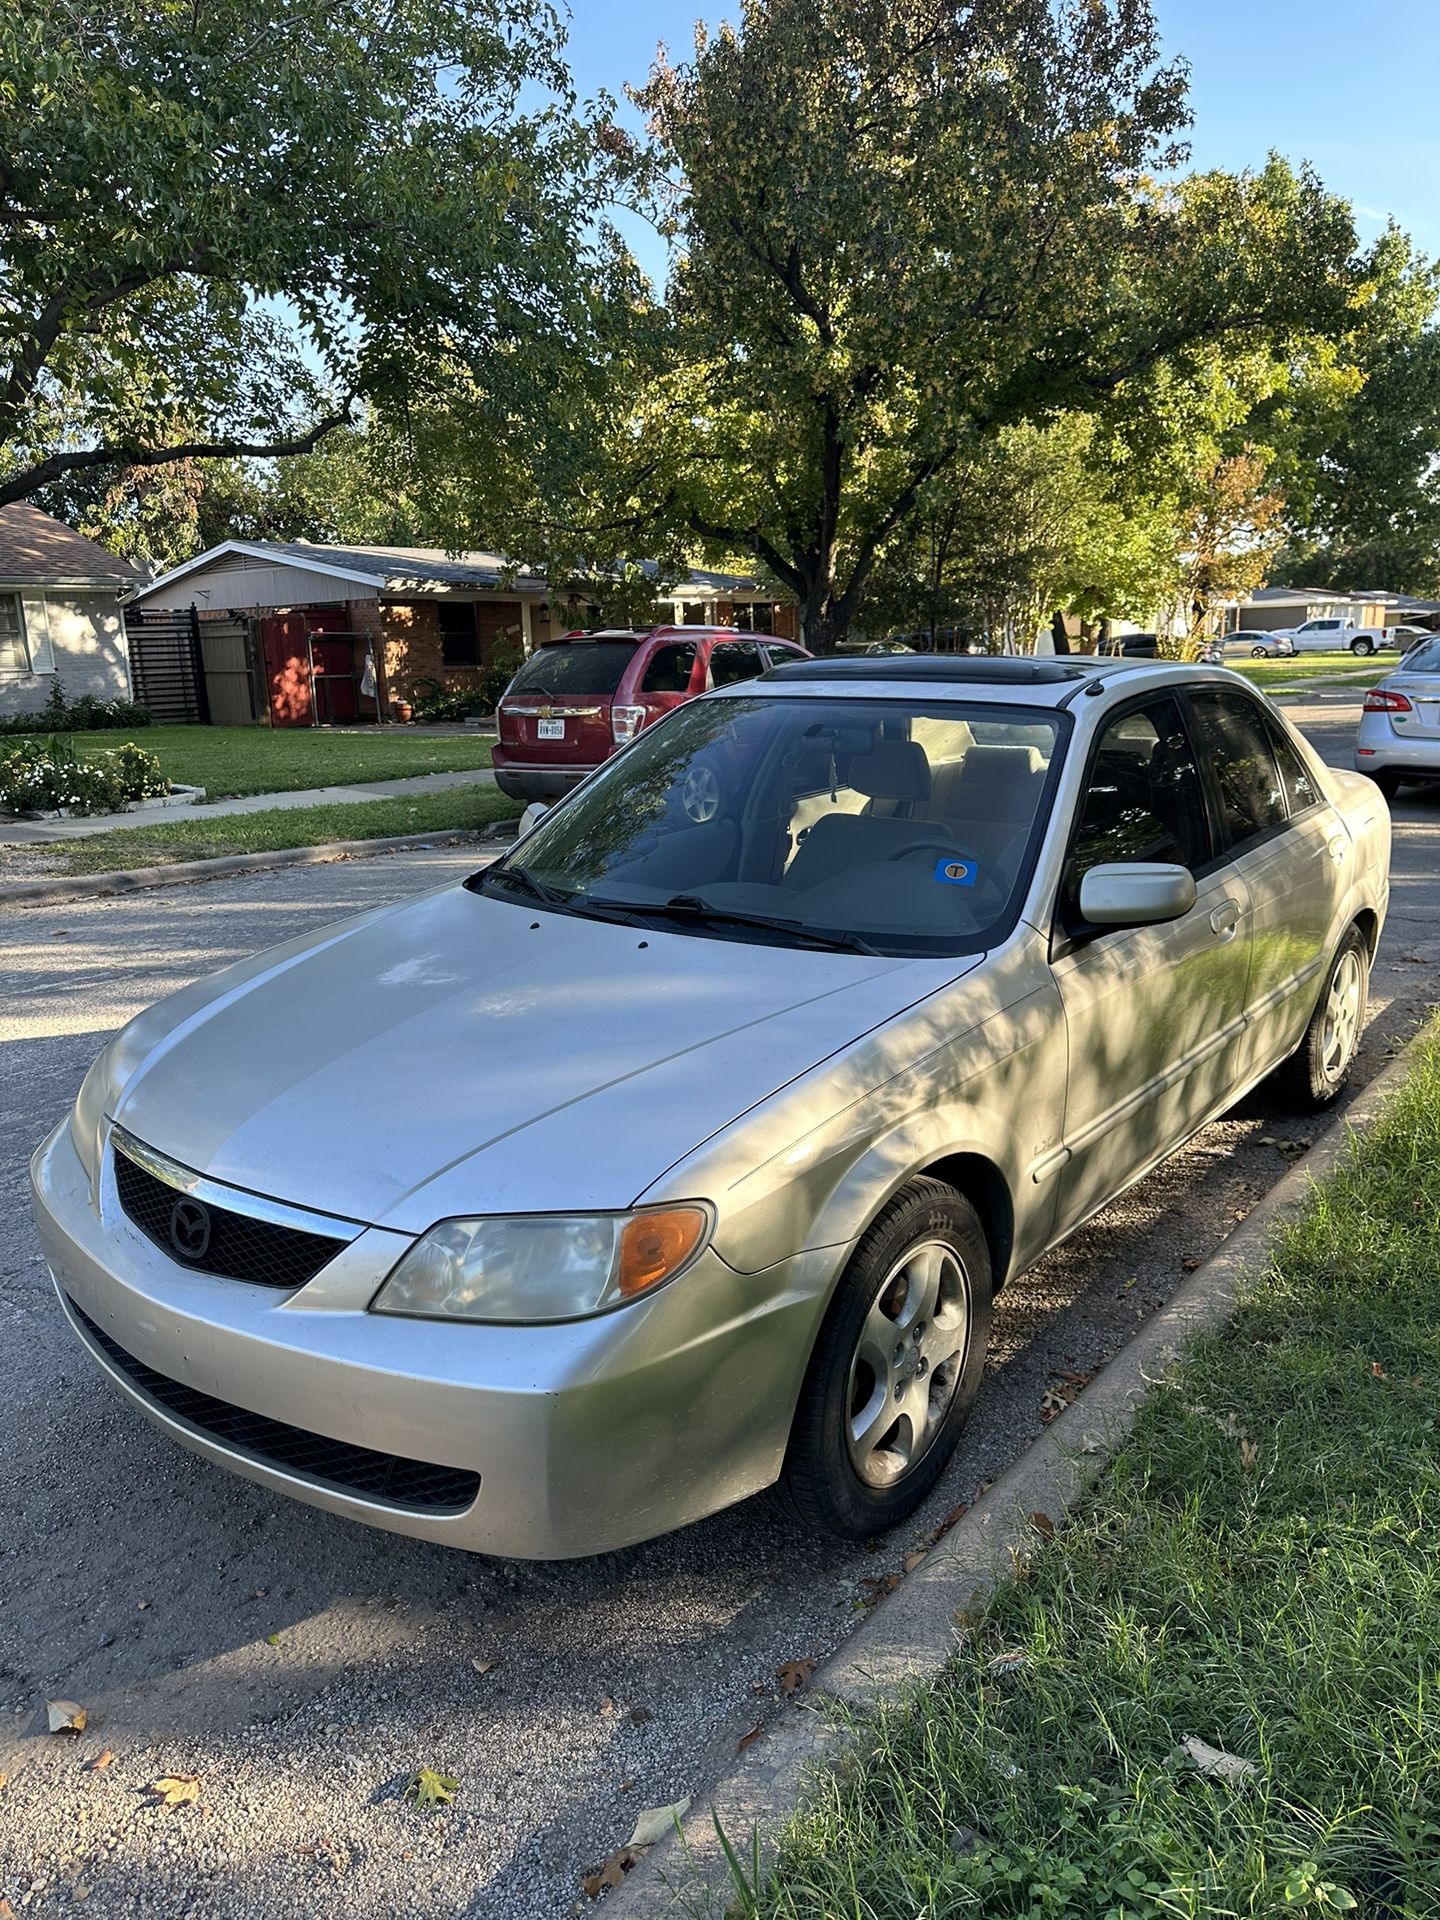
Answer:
(301, 1667)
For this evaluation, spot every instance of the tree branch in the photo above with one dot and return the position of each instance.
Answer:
(19, 486)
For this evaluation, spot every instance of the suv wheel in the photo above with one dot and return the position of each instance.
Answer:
(896, 1367)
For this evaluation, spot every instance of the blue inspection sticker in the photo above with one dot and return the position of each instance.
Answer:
(956, 873)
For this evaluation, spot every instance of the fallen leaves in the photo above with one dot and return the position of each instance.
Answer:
(653, 1823)
(175, 1790)
(102, 1760)
(1064, 1390)
(483, 1666)
(427, 1788)
(748, 1739)
(1009, 1662)
(611, 1871)
(912, 1560)
(1249, 1455)
(1215, 1764)
(794, 1674)
(64, 1716)
(1043, 1525)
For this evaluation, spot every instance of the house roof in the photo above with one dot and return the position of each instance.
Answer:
(36, 550)
(426, 569)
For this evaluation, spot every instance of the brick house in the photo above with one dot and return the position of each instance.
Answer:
(419, 614)
(60, 613)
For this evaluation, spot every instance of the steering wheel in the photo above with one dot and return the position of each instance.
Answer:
(952, 852)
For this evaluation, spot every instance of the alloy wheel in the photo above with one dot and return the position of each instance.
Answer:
(1341, 1033)
(700, 795)
(908, 1362)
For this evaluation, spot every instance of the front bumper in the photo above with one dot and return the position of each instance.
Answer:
(584, 1437)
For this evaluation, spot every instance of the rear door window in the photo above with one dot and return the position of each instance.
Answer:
(669, 668)
(1236, 742)
(734, 660)
(576, 666)
(1296, 778)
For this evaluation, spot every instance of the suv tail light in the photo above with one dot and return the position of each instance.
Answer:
(625, 723)
(1381, 700)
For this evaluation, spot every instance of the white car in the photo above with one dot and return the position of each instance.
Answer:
(1336, 636)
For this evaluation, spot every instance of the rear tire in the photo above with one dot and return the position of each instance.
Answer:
(1316, 1072)
(895, 1369)
(1362, 647)
(1388, 782)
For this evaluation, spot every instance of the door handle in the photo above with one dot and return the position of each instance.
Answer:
(1225, 918)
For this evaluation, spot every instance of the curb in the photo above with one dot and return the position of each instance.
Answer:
(910, 1636)
(100, 886)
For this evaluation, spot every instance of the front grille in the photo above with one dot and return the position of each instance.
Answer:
(237, 1246)
(420, 1485)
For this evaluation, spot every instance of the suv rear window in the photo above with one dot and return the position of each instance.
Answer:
(577, 666)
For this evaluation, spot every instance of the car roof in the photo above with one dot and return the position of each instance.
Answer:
(1005, 679)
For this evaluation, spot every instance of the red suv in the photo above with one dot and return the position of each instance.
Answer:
(580, 697)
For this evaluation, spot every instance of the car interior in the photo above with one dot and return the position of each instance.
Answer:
(855, 822)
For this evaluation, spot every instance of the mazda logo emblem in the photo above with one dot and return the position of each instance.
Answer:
(189, 1229)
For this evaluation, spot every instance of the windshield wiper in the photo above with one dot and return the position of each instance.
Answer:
(526, 882)
(689, 906)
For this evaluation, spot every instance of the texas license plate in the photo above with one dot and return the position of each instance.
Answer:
(549, 729)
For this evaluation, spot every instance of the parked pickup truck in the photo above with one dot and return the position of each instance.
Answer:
(1336, 636)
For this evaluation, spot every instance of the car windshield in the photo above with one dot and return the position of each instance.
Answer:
(575, 666)
(1425, 658)
(881, 825)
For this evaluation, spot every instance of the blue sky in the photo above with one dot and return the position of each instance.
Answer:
(1319, 80)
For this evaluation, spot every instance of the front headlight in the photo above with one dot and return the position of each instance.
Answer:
(541, 1267)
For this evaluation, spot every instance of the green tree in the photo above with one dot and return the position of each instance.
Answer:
(1359, 447)
(221, 221)
(903, 224)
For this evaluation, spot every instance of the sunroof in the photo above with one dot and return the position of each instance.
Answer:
(1001, 670)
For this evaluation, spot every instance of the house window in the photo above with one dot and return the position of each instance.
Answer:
(459, 635)
(14, 654)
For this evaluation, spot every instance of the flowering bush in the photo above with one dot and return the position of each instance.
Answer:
(85, 715)
(36, 778)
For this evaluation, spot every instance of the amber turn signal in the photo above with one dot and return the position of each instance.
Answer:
(655, 1245)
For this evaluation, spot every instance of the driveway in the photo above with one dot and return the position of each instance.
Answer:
(302, 1667)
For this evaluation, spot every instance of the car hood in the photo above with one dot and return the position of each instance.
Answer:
(462, 1054)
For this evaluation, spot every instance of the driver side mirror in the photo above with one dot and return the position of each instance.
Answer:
(1136, 894)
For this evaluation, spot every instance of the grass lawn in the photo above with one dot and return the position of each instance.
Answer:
(183, 838)
(1316, 670)
(234, 760)
(1258, 1569)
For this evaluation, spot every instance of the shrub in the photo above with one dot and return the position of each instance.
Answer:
(85, 715)
(42, 778)
(433, 700)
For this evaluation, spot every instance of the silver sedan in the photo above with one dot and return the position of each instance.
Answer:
(661, 1161)
(1399, 737)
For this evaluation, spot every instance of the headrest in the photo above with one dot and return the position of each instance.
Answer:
(1001, 766)
(892, 770)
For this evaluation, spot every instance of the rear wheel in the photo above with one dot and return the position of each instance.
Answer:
(1387, 781)
(896, 1367)
(1362, 646)
(1322, 1063)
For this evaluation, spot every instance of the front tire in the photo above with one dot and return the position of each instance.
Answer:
(896, 1367)
(1258, 653)
(1317, 1071)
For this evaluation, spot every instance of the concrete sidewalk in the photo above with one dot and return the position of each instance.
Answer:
(30, 833)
